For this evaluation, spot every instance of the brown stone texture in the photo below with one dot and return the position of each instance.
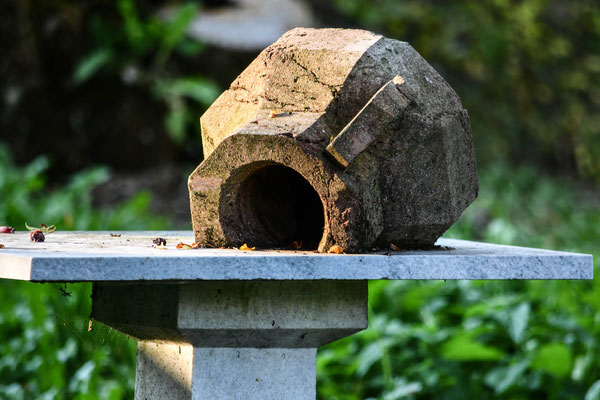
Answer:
(333, 136)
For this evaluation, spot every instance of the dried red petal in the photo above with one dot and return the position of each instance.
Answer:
(336, 249)
(160, 241)
(37, 236)
(296, 245)
(7, 229)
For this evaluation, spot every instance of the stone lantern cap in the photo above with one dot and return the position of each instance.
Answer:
(333, 136)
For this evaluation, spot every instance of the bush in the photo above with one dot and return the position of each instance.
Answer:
(27, 197)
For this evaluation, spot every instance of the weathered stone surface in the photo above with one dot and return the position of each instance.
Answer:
(284, 314)
(370, 146)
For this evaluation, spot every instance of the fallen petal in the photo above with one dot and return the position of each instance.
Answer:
(336, 249)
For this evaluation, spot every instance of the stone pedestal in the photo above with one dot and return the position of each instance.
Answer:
(231, 339)
(227, 324)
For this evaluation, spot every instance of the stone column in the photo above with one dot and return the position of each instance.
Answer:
(230, 339)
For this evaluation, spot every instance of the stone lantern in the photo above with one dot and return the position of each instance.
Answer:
(333, 136)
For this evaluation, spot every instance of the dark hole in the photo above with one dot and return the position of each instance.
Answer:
(278, 206)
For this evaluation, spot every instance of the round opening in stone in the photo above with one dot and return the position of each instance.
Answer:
(278, 207)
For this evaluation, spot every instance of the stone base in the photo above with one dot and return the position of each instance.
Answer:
(181, 372)
(164, 371)
(231, 339)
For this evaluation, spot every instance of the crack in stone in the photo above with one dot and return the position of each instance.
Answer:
(332, 88)
(279, 102)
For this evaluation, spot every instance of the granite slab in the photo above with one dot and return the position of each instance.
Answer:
(131, 256)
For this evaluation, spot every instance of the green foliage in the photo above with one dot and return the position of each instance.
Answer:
(46, 351)
(527, 71)
(26, 198)
(484, 339)
(175, 92)
(138, 49)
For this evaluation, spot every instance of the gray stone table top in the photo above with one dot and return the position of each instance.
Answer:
(98, 256)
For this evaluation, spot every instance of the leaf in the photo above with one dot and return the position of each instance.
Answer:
(91, 64)
(555, 359)
(185, 246)
(177, 27)
(47, 229)
(175, 120)
(174, 33)
(518, 321)
(134, 29)
(200, 89)
(245, 247)
(43, 227)
(369, 355)
(464, 348)
(593, 392)
(503, 378)
(402, 389)
(335, 249)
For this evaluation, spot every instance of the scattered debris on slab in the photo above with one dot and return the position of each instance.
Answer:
(245, 247)
(335, 249)
(186, 246)
(160, 241)
(43, 227)
(37, 235)
(7, 229)
(395, 248)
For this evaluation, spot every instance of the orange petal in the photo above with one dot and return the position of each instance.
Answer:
(336, 249)
(394, 247)
(296, 245)
(245, 247)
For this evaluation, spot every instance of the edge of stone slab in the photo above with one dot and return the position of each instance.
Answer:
(455, 259)
(16, 267)
(318, 267)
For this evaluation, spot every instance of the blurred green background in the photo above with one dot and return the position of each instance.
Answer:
(99, 127)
